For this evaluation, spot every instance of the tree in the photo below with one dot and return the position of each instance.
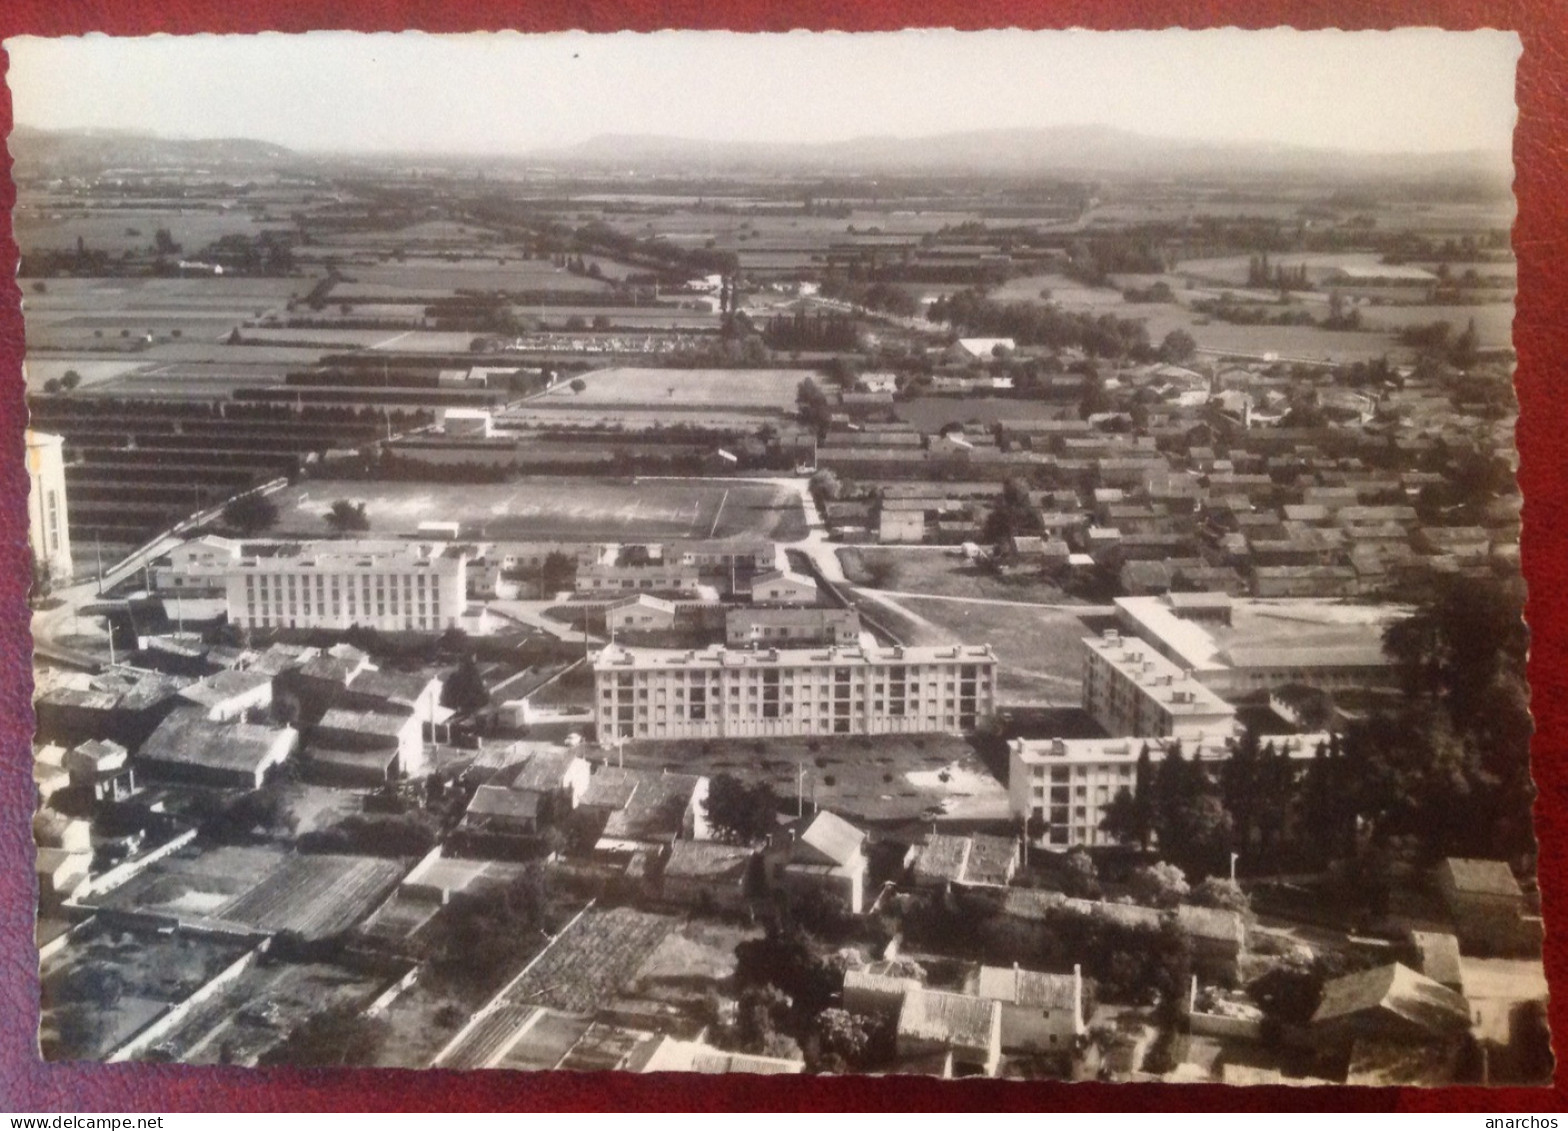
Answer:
(1080, 878)
(347, 517)
(813, 406)
(1222, 892)
(825, 485)
(251, 514)
(557, 572)
(1158, 885)
(70, 379)
(1178, 346)
(578, 385)
(1013, 514)
(741, 812)
(465, 690)
(1130, 815)
(337, 1036)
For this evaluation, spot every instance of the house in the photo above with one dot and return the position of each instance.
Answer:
(966, 861)
(644, 810)
(228, 695)
(901, 524)
(783, 587)
(1040, 1012)
(666, 1054)
(1436, 955)
(363, 746)
(705, 874)
(189, 747)
(121, 704)
(99, 766)
(790, 626)
(1390, 1004)
(1484, 901)
(1218, 938)
(508, 812)
(823, 853)
(642, 613)
(525, 796)
(876, 995)
(53, 829)
(979, 349)
(947, 1034)
(60, 873)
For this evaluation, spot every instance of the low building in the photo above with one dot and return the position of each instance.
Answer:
(61, 873)
(782, 587)
(1436, 955)
(1484, 901)
(706, 875)
(949, 1035)
(824, 854)
(750, 626)
(1040, 1012)
(188, 747)
(876, 995)
(100, 768)
(369, 746)
(645, 811)
(1219, 939)
(965, 861)
(229, 695)
(1389, 1004)
(525, 796)
(605, 579)
(642, 613)
(901, 524)
(666, 1054)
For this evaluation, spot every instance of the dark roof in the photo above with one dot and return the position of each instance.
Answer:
(1481, 877)
(1398, 990)
(543, 772)
(705, 860)
(187, 738)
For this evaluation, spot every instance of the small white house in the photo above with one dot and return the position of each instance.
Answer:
(783, 587)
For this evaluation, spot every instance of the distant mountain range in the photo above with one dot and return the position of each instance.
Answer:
(35, 149)
(1082, 151)
(1071, 150)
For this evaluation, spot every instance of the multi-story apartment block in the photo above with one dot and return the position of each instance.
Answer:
(410, 588)
(48, 528)
(1066, 784)
(665, 693)
(1131, 689)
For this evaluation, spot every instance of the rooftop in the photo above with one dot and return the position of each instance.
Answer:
(1481, 877)
(948, 1018)
(1399, 990)
(187, 738)
(1027, 987)
(618, 657)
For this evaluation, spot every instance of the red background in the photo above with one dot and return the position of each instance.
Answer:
(1541, 152)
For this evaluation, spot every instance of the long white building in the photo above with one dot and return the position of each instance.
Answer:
(1132, 689)
(410, 588)
(48, 526)
(1066, 784)
(653, 693)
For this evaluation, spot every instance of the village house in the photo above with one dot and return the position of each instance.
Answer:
(1040, 1012)
(965, 861)
(100, 769)
(642, 613)
(187, 747)
(948, 1034)
(783, 587)
(1485, 903)
(744, 627)
(707, 875)
(822, 853)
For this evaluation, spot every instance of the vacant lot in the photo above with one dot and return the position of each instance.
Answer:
(930, 414)
(944, 572)
(874, 778)
(1038, 650)
(545, 509)
(739, 388)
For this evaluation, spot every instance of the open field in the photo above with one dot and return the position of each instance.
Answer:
(259, 1009)
(556, 415)
(263, 888)
(118, 230)
(943, 572)
(874, 778)
(1037, 650)
(567, 509)
(929, 414)
(681, 388)
(427, 276)
(151, 972)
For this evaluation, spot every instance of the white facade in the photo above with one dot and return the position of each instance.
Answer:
(781, 587)
(1131, 689)
(1066, 784)
(48, 525)
(412, 589)
(665, 693)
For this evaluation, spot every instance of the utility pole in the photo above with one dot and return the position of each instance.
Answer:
(800, 789)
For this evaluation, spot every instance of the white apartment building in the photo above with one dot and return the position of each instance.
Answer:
(408, 588)
(48, 526)
(1131, 689)
(1067, 783)
(653, 693)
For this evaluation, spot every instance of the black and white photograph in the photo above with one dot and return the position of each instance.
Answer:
(966, 554)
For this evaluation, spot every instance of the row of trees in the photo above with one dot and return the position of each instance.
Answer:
(1031, 324)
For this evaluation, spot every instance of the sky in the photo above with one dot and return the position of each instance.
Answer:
(1408, 91)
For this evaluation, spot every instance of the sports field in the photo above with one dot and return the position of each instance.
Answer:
(750, 388)
(548, 509)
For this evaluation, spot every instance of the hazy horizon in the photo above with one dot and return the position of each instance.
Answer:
(496, 94)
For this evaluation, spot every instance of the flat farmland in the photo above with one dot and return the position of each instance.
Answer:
(745, 388)
(118, 230)
(1494, 321)
(555, 415)
(427, 276)
(544, 508)
(930, 413)
(101, 314)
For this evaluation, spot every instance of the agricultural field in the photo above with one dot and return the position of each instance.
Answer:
(555, 415)
(263, 888)
(428, 276)
(875, 778)
(929, 414)
(111, 314)
(731, 388)
(118, 230)
(259, 1009)
(567, 509)
(589, 960)
(108, 985)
